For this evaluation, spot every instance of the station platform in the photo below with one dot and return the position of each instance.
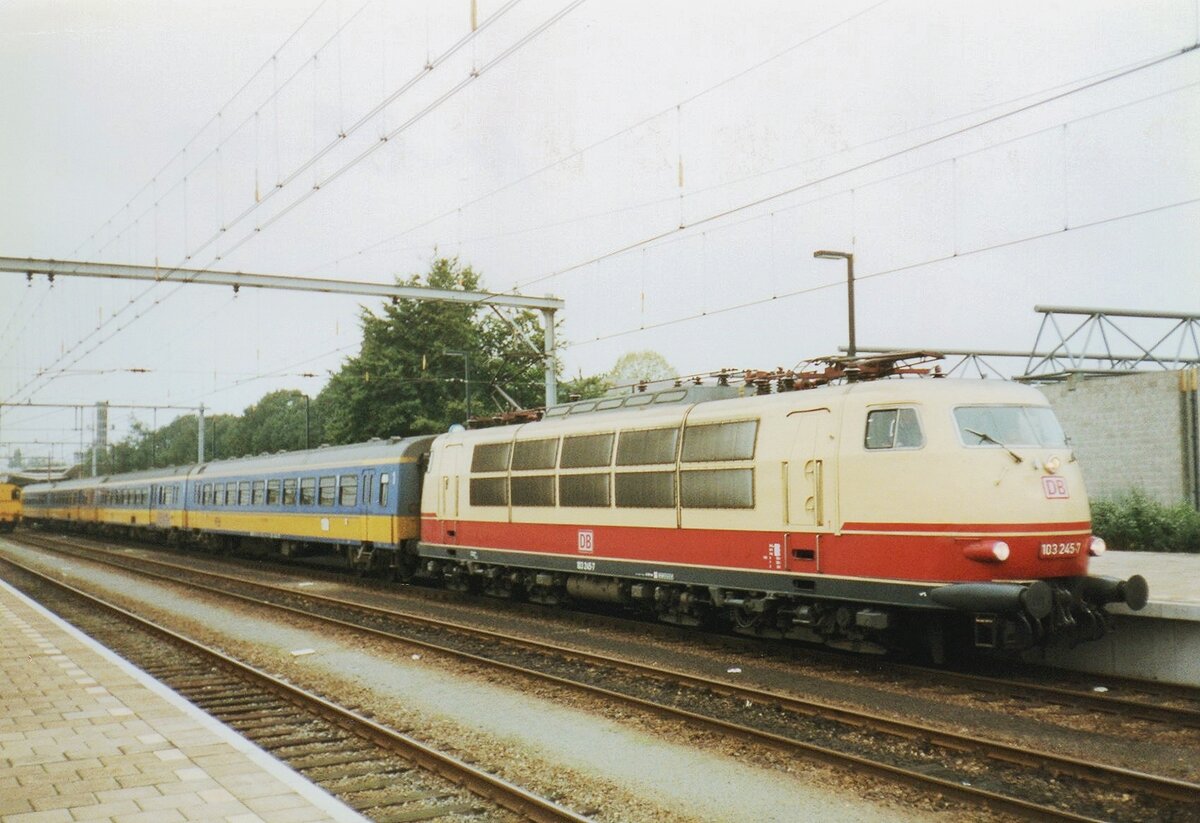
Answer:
(1161, 642)
(86, 736)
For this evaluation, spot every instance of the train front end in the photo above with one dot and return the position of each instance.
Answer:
(1004, 524)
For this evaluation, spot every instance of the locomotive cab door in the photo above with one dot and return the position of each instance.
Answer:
(448, 492)
(810, 483)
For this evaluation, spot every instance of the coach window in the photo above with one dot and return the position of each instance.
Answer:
(308, 491)
(206, 495)
(258, 492)
(289, 491)
(893, 429)
(384, 480)
(348, 490)
(244, 493)
(326, 491)
(272, 492)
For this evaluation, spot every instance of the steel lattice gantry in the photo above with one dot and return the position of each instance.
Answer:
(1168, 340)
(237, 280)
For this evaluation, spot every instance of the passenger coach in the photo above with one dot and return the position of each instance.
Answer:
(353, 499)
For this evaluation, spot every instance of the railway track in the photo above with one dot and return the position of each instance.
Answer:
(385, 775)
(1173, 707)
(1004, 777)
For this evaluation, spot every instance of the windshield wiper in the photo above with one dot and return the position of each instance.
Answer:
(984, 436)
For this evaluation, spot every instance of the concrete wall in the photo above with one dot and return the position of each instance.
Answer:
(1132, 431)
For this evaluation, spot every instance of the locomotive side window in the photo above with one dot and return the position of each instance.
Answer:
(717, 489)
(584, 489)
(706, 442)
(534, 454)
(647, 447)
(533, 490)
(289, 491)
(489, 491)
(587, 451)
(308, 491)
(645, 490)
(490, 457)
(893, 429)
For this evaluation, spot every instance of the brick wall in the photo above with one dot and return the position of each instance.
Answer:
(1130, 431)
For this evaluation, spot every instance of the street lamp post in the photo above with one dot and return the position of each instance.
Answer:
(823, 254)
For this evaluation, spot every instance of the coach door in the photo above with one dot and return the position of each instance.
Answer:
(366, 491)
(810, 497)
(448, 493)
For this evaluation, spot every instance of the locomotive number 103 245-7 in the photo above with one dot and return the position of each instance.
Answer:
(1068, 549)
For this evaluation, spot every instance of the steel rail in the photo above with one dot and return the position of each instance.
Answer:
(477, 781)
(1169, 788)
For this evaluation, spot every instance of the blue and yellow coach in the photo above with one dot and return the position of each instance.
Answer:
(360, 501)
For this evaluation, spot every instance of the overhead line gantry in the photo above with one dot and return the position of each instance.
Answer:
(360, 288)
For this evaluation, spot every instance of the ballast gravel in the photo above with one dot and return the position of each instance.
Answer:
(631, 769)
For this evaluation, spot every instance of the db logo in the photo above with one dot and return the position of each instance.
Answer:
(1055, 487)
(587, 541)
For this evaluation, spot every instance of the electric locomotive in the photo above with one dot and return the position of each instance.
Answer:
(856, 515)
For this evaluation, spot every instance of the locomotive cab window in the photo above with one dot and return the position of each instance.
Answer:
(893, 429)
(1003, 426)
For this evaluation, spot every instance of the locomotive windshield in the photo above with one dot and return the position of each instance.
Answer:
(999, 426)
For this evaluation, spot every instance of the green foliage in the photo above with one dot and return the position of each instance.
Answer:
(636, 367)
(274, 423)
(409, 376)
(1134, 522)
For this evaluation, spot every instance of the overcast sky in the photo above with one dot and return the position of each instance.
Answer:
(977, 159)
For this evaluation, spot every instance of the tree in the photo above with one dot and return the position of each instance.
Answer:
(409, 375)
(636, 367)
(17, 461)
(277, 422)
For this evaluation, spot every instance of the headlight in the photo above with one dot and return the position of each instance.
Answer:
(1097, 547)
(1053, 465)
(987, 551)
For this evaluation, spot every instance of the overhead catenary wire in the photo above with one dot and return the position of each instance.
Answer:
(167, 272)
(884, 272)
(209, 122)
(759, 201)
